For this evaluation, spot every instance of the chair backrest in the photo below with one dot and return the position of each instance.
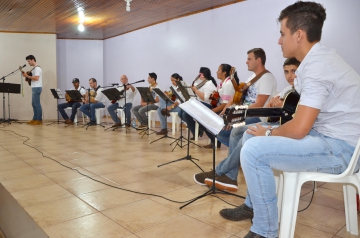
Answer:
(354, 159)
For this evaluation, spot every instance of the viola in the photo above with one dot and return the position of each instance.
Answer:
(214, 99)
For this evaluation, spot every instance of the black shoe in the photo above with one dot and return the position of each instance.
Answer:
(240, 213)
(162, 132)
(253, 235)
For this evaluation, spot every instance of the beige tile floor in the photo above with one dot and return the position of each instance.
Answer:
(65, 203)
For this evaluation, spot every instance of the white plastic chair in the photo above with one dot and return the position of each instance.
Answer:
(291, 193)
(151, 118)
(175, 121)
(122, 115)
(98, 115)
(76, 117)
(196, 136)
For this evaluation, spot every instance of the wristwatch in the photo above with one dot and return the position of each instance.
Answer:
(172, 106)
(269, 131)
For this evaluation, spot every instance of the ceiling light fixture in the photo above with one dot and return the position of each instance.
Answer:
(128, 5)
(81, 19)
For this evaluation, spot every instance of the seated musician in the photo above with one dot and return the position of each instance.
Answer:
(171, 107)
(203, 86)
(94, 98)
(224, 92)
(140, 110)
(73, 104)
(130, 94)
(262, 88)
(228, 169)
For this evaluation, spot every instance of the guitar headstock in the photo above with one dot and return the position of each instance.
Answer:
(236, 116)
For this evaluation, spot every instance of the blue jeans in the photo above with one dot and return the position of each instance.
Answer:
(224, 135)
(259, 155)
(140, 112)
(89, 109)
(113, 113)
(163, 119)
(35, 102)
(73, 105)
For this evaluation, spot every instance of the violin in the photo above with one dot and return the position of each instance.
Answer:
(214, 99)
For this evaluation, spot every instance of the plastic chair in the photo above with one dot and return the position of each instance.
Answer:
(98, 115)
(122, 114)
(151, 118)
(291, 194)
(196, 131)
(76, 117)
(175, 121)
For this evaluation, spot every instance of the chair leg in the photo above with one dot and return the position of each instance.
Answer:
(97, 116)
(290, 203)
(350, 209)
(173, 124)
(196, 131)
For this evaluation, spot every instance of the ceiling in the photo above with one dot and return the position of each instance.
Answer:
(103, 18)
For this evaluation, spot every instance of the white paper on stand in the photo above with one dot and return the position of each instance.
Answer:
(206, 117)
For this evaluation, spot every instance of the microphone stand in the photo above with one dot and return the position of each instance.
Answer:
(3, 79)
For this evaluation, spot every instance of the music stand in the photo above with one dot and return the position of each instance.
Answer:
(212, 189)
(147, 97)
(181, 100)
(113, 95)
(167, 100)
(9, 88)
(75, 97)
(57, 95)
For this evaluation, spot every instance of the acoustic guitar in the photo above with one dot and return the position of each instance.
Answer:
(28, 73)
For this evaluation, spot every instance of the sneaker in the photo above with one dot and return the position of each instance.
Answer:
(223, 182)
(30, 122)
(37, 122)
(240, 213)
(200, 177)
(253, 235)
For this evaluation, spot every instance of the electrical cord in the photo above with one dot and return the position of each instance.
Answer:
(312, 196)
(106, 184)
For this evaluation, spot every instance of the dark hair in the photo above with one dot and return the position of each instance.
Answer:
(258, 52)
(30, 57)
(93, 80)
(227, 68)
(207, 74)
(291, 61)
(153, 75)
(177, 76)
(306, 16)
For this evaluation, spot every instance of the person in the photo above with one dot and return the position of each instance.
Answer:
(203, 86)
(140, 110)
(94, 98)
(130, 94)
(324, 131)
(36, 88)
(226, 91)
(72, 104)
(258, 94)
(228, 169)
(170, 107)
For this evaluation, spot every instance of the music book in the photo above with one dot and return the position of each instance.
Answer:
(206, 117)
(162, 95)
(57, 93)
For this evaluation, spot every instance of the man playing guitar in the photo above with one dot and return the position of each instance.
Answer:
(74, 105)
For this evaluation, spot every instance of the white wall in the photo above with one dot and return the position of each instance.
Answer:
(14, 47)
(223, 35)
(82, 59)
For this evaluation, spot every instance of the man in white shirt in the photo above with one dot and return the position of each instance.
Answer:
(36, 89)
(74, 105)
(130, 94)
(94, 98)
(324, 131)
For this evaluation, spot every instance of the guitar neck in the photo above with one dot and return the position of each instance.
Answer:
(265, 112)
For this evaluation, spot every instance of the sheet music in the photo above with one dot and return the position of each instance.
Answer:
(209, 119)
(58, 91)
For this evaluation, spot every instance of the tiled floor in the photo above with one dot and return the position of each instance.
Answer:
(65, 203)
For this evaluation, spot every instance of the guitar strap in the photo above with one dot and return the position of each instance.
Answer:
(256, 78)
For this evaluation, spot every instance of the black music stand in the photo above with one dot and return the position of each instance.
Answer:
(75, 96)
(57, 95)
(147, 97)
(186, 95)
(9, 88)
(212, 189)
(167, 100)
(113, 95)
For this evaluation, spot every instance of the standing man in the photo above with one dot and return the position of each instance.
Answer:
(94, 98)
(324, 131)
(36, 88)
(72, 104)
(130, 94)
